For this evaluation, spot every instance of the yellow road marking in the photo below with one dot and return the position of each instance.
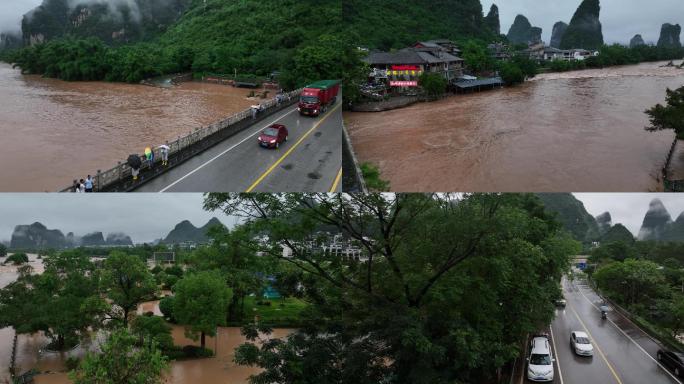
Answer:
(337, 181)
(269, 170)
(597, 346)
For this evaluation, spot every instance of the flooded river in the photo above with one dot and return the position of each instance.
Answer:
(53, 131)
(573, 131)
(31, 353)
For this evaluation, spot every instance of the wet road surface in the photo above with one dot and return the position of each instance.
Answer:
(310, 161)
(623, 354)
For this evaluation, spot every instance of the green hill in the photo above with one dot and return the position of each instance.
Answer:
(378, 24)
(572, 214)
(113, 22)
(300, 38)
(585, 30)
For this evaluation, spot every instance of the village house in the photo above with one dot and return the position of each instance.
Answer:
(499, 51)
(402, 68)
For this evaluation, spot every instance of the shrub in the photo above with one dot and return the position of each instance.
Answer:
(166, 308)
(17, 259)
(71, 363)
(191, 351)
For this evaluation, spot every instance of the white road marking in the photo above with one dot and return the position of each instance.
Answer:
(632, 340)
(555, 352)
(224, 152)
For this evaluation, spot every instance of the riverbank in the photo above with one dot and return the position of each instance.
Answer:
(54, 130)
(580, 131)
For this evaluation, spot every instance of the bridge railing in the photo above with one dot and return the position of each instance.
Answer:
(122, 170)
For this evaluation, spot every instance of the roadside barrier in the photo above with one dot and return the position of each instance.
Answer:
(120, 178)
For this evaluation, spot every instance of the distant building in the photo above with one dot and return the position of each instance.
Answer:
(336, 246)
(164, 258)
(499, 51)
(402, 68)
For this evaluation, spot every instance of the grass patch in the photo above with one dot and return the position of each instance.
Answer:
(371, 175)
(284, 312)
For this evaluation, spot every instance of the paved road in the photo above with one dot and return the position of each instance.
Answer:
(310, 161)
(623, 354)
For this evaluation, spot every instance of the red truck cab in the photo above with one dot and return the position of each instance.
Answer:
(317, 97)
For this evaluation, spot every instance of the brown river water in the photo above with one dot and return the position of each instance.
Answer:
(52, 131)
(31, 353)
(572, 131)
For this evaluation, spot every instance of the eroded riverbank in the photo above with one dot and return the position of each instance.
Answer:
(572, 131)
(54, 131)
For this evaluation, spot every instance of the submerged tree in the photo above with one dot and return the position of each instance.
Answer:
(436, 297)
(121, 362)
(201, 304)
(127, 282)
(669, 116)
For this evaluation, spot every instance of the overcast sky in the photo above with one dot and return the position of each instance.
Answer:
(629, 208)
(621, 19)
(11, 12)
(145, 217)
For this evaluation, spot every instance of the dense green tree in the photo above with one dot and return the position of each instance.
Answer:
(201, 304)
(477, 57)
(17, 258)
(121, 362)
(166, 308)
(152, 329)
(669, 116)
(3, 250)
(511, 73)
(632, 281)
(233, 253)
(62, 302)
(127, 282)
(613, 251)
(438, 296)
(434, 84)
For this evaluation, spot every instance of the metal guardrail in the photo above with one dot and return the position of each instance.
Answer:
(103, 179)
(352, 177)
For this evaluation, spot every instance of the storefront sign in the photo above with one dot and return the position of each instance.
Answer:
(403, 83)
(405, 68)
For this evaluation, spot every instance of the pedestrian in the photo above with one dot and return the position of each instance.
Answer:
(81, 186)
(164, 150)
(135, 172)
(89, 184)
(149, 156)
(74, 187)
(254, 111)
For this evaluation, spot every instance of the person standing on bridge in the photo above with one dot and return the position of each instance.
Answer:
(89, 184)
(164, 150)
(81, 186)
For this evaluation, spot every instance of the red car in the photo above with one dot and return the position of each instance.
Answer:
(273, 136)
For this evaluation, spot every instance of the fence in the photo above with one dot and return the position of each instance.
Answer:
(352, 178)
(119, 178)
(671, 185)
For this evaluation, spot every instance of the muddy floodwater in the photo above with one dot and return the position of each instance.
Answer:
(53, 131)
(31, 353)
(573, 131)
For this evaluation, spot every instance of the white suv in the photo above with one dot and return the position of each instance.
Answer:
(540, 361)
(580, 343)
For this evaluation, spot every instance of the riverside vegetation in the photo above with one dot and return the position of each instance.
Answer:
(300, 39)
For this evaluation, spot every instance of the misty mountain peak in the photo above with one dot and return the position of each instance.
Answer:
(655, 222)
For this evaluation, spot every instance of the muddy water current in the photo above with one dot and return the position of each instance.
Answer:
(53, 131)
(573, 131)
(31, 353)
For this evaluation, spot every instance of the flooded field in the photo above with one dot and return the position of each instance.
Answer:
(572, 131)
(31, 353)
(54, 131)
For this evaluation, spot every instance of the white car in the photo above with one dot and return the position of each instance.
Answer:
(580, 343)
(540, 361)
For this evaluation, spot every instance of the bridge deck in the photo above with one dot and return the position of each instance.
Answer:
(310, 161)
